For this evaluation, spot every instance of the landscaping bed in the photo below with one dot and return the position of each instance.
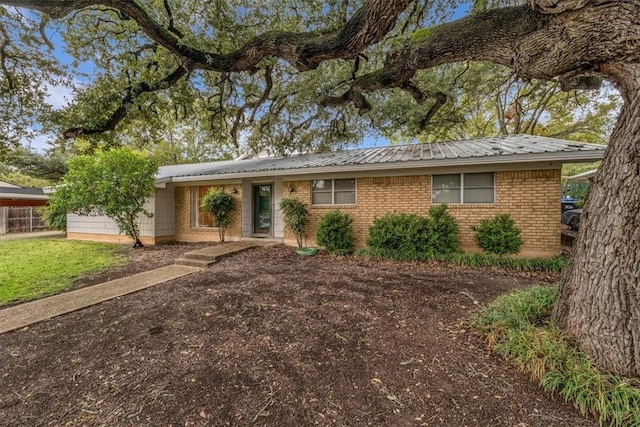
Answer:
(271, 338)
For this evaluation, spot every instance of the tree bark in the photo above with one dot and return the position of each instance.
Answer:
(599, 298)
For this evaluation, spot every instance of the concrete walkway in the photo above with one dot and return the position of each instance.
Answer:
(203, 258)
(22, 315)
(26, 314)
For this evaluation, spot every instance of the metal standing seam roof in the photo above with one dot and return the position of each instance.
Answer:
(22, 191)
(508, 148)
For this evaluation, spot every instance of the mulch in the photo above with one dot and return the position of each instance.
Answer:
(270, 338)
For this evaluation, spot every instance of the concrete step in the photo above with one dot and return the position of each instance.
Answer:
(200, 256)
(194, 262)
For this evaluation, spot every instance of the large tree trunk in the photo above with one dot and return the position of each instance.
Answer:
(599, 300)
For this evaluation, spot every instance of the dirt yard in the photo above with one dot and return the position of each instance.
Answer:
(269, 338)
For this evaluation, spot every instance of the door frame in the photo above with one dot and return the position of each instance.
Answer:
(254, 186)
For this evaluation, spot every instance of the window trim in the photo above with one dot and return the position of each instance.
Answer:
(195, 207)
(333, 192)
(462, 188)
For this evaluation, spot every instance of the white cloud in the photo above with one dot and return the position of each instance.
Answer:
(59, 96)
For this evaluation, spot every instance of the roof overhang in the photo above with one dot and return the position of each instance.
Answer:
(516, 159)
(17, 196)
(584, 176)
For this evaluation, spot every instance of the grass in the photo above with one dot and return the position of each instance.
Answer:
(555, 264)
(34, 268)
(518, 326)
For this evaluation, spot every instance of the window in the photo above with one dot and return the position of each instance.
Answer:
(463, 188)
(199, 216)
(333, 192)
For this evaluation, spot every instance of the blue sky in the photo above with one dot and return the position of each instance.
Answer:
(59, 96)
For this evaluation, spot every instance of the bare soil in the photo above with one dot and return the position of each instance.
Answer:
(270, 338)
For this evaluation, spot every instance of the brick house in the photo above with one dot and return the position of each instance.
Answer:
(519, 175)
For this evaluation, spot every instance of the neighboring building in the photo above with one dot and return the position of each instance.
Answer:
(519, 175)
(584, 176)
(18, 208)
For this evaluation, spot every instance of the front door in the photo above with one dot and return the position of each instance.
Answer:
(262, 209)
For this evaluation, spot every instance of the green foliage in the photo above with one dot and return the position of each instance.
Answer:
(414, 237)
(296, 216)
(10, 175)
(554, 264)
(443, 231)
(485, 99)
(34, 268)
(220, 205)
(498, 235)
(519, 327)
(116, 183)
(49, 167)
(55, 212)
(335, 233)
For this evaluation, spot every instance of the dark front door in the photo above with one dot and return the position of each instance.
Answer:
(262, 209)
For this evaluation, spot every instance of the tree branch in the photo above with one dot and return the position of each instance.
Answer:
(305, 51)
(255, 105)
(519, 38)
(131, 94)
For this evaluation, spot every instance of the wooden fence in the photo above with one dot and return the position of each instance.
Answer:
(21, 220)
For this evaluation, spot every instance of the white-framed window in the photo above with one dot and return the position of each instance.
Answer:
(333, 191)
(199, 216)
(463, 188)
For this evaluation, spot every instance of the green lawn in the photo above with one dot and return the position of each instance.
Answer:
(33, 268)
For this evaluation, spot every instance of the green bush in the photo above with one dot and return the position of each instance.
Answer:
(518, 326)
(443, 231)
(335, 233)
(414, 237)
(55, 212)
(498, 235)
(295, 216)
(220, 205)
(399, 236)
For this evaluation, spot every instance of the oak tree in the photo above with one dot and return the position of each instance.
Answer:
(576, 43)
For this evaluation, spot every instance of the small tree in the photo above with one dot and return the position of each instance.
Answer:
(296, 217)
(335, 233)
(220, 205)
(55, 212)
(116, 184)
(498, 235)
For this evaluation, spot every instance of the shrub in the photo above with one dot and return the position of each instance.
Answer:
(220, 205)
(443, 231)
(295, 216)
(335, 233)
(413, 237)
(518, 326)
(55, 212)
(498, 235)
(399, 236)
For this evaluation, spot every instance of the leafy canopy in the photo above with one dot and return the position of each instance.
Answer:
(132, 89)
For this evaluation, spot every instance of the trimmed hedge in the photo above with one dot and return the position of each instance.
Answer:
(335, 233)
(414, 237)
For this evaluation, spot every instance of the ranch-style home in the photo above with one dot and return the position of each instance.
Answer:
(477, 179)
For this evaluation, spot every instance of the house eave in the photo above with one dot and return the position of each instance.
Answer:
(12, 196)
(558, 157)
